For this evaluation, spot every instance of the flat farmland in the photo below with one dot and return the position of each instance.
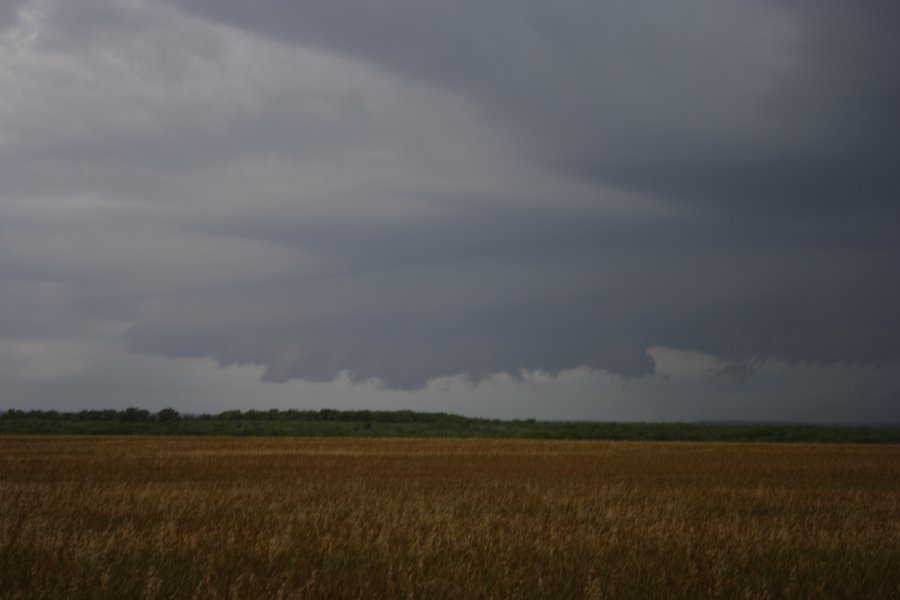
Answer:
(135, 517)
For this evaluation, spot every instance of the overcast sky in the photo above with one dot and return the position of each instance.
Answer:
(610, 210)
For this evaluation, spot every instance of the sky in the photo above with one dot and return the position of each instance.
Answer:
(601, 210)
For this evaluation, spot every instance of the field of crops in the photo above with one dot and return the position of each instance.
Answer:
(134, 517)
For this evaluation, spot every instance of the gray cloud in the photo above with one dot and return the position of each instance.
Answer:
(414, 304)
(9, 13)
(400, 192)
(750, 106)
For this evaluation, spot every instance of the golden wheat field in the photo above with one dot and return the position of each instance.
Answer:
(136, 517)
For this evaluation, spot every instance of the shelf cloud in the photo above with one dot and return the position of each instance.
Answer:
(404, 192)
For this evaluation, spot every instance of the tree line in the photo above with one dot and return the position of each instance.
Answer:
(169, 415)
(408, 423)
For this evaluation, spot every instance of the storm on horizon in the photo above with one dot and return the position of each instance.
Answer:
(574, 210)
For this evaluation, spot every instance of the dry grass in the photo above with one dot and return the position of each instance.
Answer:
(282, 518)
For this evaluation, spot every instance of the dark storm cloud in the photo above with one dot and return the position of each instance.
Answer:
(506, 289)
(735, 105)
(404, 191)
(770, 129)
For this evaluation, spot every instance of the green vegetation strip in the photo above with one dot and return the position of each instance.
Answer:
(405, 423)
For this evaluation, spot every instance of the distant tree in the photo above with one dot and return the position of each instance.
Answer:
(329, 414)
(168, 415)
(134, 414)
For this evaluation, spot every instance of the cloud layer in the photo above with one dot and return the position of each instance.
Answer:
(402, 192)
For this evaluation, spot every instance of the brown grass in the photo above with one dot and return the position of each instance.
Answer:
(282, 518)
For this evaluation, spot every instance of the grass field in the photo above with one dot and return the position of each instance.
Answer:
(135, 517)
